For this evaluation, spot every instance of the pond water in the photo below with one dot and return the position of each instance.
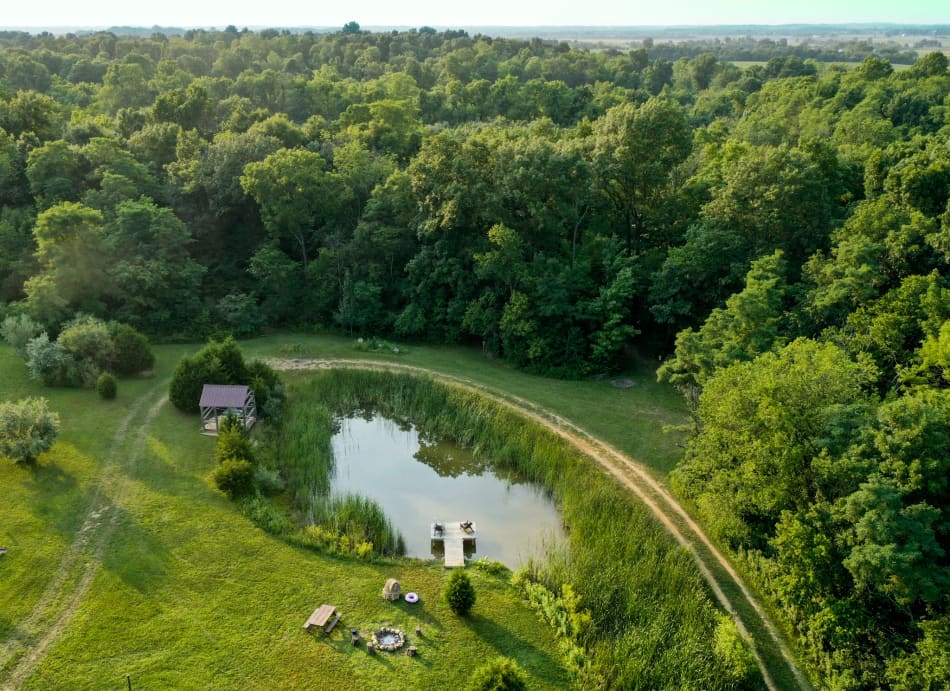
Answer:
(418, 481)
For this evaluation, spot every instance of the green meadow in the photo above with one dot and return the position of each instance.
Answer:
(125, 560)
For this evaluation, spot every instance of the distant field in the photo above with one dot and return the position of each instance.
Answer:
(849, 65)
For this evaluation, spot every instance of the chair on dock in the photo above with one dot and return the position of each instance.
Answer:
(324, 617)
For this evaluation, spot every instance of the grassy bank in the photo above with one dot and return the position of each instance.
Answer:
(632, 419)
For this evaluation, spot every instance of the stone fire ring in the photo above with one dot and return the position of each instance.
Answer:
(388, 639)
(412, 598)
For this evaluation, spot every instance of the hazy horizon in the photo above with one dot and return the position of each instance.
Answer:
(488, 13)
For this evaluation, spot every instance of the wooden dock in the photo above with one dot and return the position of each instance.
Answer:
(453, 535)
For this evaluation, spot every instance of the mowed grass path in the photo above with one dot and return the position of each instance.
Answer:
(631, 419)
(189, 594)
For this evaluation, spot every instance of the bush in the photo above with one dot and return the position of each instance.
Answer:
(268, 389)
(733, 652)
(235, 477)
(233, 443)
(500, 674)
(460, 593)
(27, 429)
(191, 374)
(106, 387)
(216, 363)
(133, 354)
(18, 331)
(268, 481)
(48, 362)
(89, 342)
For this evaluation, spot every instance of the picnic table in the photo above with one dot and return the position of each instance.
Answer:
(320, 618)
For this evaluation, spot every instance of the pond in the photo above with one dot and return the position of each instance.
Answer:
(417, 481)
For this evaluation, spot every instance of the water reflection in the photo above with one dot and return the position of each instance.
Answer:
(417, 480)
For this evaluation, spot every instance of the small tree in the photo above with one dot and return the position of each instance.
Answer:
(27, 429)
(233, 442)
(500, 674)
(460, 593)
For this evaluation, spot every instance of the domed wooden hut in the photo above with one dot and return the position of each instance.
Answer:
(392, 590)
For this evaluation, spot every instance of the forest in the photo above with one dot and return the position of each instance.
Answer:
(778, 234)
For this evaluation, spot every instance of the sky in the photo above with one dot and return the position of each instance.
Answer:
(446, 13)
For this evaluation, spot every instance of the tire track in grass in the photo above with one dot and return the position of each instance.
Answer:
(78, 568)
(713, 565)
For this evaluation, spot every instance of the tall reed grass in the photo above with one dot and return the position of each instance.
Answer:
(653, 619)
(301, 450)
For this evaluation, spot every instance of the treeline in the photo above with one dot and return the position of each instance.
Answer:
(556, 207)
(763, 49)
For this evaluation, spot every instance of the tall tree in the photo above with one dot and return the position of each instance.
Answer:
(298, 197)
(635, 152)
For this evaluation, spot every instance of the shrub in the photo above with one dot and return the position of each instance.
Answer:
(27, 429)
(268, 389)
(500, 674)
(18, 331)
(733, 652)
(460, 593)
(216, 363)
(89, 342)
(235, 477)
(191, 374)
(105, 386)
(268, 481)
(47, 361)
(233, 443)
(133, 354)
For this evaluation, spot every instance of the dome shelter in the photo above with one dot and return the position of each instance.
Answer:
(392, 590)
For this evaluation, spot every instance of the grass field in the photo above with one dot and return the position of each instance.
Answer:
(190, 594)
(187, 593)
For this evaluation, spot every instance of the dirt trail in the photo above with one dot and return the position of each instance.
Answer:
(77, 569)
(632, 475)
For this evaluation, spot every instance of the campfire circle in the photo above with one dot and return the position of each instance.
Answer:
(388, 639)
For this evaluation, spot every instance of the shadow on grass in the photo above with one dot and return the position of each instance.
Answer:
(136, 556)
(56, 497)
(420, 614)
(509, 644)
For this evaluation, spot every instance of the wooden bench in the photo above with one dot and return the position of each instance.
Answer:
(333, 623)
(321, 615)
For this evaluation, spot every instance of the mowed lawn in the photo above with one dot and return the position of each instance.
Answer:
(190, 594)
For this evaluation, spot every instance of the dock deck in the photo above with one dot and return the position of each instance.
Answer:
(453, 537)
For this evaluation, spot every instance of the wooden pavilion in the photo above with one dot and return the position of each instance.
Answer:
(220, 400)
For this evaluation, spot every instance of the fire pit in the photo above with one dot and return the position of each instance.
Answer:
(388, 639)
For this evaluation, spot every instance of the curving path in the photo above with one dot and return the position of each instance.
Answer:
(722, 577)
(53, 612)
(25, 648)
